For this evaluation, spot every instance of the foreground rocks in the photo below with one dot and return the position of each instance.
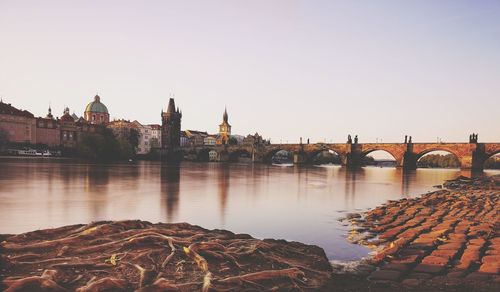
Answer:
(448, 238)
(140, 256)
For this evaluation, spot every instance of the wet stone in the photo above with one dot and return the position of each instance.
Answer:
(385, 275)
(411, 282)
(419, 276)
(428, 268)
(397, 266)
(478, 276)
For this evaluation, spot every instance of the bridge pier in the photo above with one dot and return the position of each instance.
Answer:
(354, 160)
(299, 158)
(410, 161)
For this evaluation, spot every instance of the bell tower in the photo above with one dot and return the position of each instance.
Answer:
(225, 128)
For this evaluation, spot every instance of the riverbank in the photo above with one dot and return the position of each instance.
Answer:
(138, 255)
(444, 240)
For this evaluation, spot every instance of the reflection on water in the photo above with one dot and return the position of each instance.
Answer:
(294, 203)
(170, 187)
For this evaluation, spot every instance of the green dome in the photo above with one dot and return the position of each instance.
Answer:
(96, 106)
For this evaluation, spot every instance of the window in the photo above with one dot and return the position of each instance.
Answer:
(93, 117)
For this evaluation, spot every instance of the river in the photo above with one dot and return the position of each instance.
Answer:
(265, 201)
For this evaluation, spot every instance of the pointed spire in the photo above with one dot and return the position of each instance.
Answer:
(225, 116)
(171, 106)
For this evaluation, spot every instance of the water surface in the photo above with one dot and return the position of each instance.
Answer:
(293, 203)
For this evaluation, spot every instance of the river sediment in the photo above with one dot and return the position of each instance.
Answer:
(448, 239)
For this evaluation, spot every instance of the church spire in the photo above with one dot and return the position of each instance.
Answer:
(225, 116)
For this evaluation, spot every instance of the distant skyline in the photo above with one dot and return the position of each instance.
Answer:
(286, 69)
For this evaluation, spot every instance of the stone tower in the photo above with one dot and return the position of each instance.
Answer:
(224, 128)
(171, 126)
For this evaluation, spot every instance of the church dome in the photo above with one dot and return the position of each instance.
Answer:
(96, 106)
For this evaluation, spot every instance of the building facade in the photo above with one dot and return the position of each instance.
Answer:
(171, 126)
(96, 112)
(155, 135)
(19, 125)
(69, 130)
(196, 138)
(47, 130)
(146, 140)
(210, 140)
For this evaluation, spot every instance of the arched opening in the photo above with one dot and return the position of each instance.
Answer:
(242, 156)
(378, 158)
(203, 155)
(191, 155)
(325, 157)
(493, 162)
(213, 155)
(282, 157)
(438, 159)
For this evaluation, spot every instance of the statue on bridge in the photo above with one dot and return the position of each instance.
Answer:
(473, 138)
(349, 139)
(409, 141)
(356, 139)
(406, 139)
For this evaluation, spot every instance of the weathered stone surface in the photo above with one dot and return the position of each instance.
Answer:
(444, 253)
(434, 260)
(490, 268)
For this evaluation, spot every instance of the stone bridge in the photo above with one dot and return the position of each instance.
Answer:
(470, 155)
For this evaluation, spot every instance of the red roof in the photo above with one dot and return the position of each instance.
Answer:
(8, 109)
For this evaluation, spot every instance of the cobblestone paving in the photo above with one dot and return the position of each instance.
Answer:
(451, 235)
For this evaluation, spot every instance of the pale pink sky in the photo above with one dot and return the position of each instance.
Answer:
(316, 69)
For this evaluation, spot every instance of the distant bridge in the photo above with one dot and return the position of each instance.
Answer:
(470, 155)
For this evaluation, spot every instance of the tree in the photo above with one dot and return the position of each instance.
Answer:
(233, 141)
(100, 145)
(133, 138)
(438, 160)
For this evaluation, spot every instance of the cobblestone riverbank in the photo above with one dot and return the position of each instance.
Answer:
(447, 238)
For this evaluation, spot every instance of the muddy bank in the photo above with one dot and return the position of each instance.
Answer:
(140, 256)
(448, 239)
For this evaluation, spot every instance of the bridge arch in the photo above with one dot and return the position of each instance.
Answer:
(203, 154)
(312, 155)
(437, 150)
(398, 159)
(236, 154)
(489, 161)
(268, 157)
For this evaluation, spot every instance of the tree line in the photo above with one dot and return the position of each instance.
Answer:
(103, 145)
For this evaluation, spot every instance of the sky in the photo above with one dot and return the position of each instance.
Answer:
(286, 69)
